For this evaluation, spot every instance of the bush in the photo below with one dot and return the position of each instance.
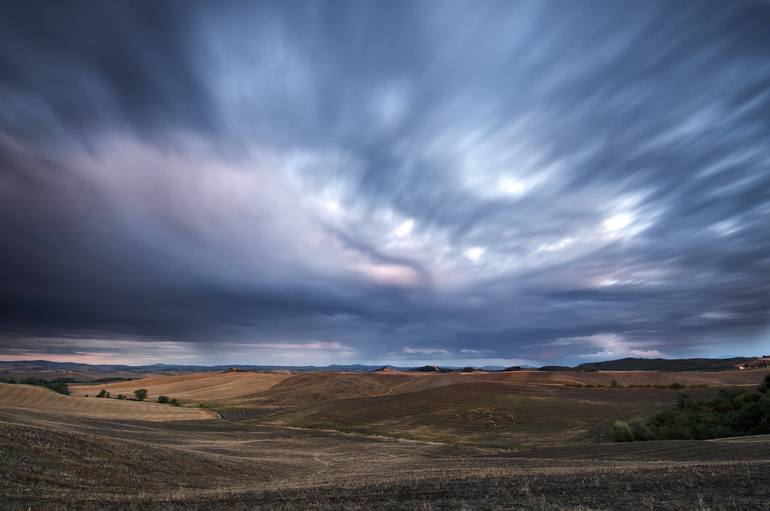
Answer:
(621, 432)
(59, 387)
(163, 399)
(615, 384)
(174, 402)
(140, 394)
(102, 393)
(730, 413)
(764, 387)
(640, 430)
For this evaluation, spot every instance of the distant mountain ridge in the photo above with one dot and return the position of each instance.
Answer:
(624, 364)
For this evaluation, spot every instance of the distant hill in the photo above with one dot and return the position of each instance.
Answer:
(88, 372)
(45, 365)
(662, 364)
(433, 369)
(386, 369)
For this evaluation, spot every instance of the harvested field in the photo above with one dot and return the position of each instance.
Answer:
(50, 462)
(486, 413)
(369, 441)
(192, 388)
(30, 398)
(423, 381)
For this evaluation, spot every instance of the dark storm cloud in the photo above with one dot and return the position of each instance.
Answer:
(79, 66)
(384, 181)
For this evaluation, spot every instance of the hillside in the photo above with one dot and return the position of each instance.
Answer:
(492, 414)
(660, 364)
(192, 388)
(39, 399)
(60, 462)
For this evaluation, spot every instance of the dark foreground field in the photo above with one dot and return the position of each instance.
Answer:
(50, 461)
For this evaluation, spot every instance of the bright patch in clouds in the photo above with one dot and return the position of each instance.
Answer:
(316, 345)
(390, 274)
(511, 186)
(559, 245)
(475, 253)
(423, 351)
(615, 224)
(404, 228)
(610, 346)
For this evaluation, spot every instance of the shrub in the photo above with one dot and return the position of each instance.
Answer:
(174, 402)
(163, 399)
(640, 430)
(764, 387)
(121, 396)
(102, 393)
(730, 413)
(615, 384)
(140, 394)
(621, 432)
(59, 387)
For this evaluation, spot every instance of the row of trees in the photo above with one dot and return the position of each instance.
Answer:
(730, 413)
(58, 385)
(140, 395)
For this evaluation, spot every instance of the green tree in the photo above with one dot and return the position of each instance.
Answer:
(58, 386)
(621, 432)
(141, 394)
(163, 399)
(102, 393)
(640, 430)
(764, 387)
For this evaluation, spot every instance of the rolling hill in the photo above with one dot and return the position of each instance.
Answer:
(229, 386)
(39, 399)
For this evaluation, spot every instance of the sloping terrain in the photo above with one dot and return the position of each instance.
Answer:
(486, 413)
(494, 409)
(422, 381)
(662, 364)
(55, 462)
(192, 388)
(39, 399)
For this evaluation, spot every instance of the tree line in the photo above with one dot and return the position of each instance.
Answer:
(730, 413)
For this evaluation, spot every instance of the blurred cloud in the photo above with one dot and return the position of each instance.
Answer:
(531, 181)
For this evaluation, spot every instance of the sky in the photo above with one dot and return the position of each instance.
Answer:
(403, 182)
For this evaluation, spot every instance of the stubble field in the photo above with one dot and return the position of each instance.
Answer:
(414, 441)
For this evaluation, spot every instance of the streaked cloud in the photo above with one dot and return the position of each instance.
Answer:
(513, 182)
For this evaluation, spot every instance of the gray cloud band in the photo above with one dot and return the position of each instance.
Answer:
(405, 183)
